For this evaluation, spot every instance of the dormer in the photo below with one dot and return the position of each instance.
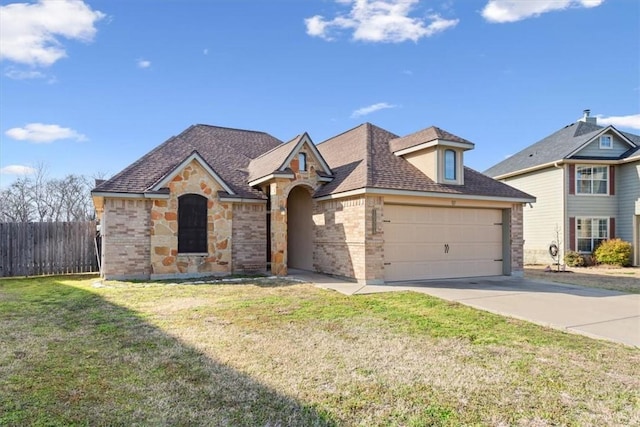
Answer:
(435, 152)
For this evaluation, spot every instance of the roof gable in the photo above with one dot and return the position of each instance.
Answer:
(227, 151)
(591, 148)
(194, 156)
(563, 144)
(278, 159)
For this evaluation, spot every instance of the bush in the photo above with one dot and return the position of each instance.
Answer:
(574, 259)
(614, 252)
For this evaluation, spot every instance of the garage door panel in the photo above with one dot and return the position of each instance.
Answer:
(436, 242)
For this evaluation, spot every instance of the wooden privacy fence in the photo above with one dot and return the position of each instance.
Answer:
(37, 248)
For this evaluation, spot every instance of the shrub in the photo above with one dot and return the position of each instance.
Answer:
(574, 259)
(614, 252)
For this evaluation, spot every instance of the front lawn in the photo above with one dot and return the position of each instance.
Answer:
(75, 351)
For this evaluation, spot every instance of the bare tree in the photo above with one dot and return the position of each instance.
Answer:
(40, 195)
(38, 198)
(17, 201)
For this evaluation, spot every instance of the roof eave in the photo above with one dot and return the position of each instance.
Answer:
(443, 142)
(271, 176)
(416, 193)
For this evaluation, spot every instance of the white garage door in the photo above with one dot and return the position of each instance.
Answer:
(434, 243)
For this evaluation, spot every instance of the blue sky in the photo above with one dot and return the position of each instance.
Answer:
(89, 87)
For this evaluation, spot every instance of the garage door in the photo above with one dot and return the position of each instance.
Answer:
(434, 243)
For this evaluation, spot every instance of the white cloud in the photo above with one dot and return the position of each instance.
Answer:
(30, 33)
(631, 121)
(501, 11)
(43, 133)
(379, 21)
(143, 63)
(16, 74)
(17, 170)
(371, 109)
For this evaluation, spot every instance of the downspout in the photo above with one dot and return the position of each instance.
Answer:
(564, 212)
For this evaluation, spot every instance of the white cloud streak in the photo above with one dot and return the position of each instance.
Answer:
(371, 109)
(631, 121)
(143, 63)
(16, 74)
(17, 170)
(502, 11)
(40, 133)
(30, 33)
(385, 21)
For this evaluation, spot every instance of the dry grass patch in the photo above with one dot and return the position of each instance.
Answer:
(260, 354)
(623, 279)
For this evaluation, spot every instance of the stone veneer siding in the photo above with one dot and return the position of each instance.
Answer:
(165, 259)
(249, 236)
(278, 191)
(125, 238)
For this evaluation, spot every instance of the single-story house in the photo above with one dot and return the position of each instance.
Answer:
(366, 204)
(586, 179)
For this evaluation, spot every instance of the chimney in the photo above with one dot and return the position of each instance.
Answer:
(587, 118)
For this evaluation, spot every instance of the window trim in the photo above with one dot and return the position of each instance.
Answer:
(607, 221)
(604, 147)
(607, 181)
(203, 227)
(455, 165)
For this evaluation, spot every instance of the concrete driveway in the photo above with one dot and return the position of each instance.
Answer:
(597, 313)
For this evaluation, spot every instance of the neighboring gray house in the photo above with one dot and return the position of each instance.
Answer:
(586, 180)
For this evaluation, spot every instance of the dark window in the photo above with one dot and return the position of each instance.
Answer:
(192, 224)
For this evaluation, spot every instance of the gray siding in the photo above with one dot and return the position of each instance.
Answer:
(593, 148)
(628, 192)
(541, 220)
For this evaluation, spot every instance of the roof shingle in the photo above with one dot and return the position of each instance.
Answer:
(359, 158)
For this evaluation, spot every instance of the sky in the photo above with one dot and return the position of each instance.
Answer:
(88, 87)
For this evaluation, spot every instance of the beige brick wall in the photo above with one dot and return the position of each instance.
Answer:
(517, 240)
(340, 237)
(249, 237)
(125, 238)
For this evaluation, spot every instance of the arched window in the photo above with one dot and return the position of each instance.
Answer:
(192, 224)
(450, 165)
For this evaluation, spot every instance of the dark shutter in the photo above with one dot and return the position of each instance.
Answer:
(612, 228)
(192, 224)
(572, 233)
(572, 179)
(612, 180)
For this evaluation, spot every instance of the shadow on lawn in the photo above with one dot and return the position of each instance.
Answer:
(67, 356)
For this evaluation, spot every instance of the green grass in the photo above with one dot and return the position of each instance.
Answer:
(271, 353)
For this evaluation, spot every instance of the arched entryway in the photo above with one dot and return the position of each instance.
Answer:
(300, 229)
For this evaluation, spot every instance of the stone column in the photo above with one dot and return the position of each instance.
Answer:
(278, 228)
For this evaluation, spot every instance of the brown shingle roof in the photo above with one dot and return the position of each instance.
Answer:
(426, 135)
(359, 158)
(228, 152)
(362, 158)
(272, 160)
